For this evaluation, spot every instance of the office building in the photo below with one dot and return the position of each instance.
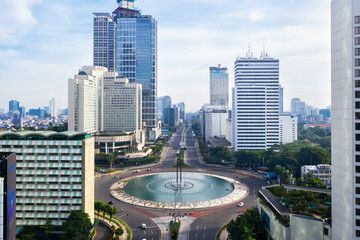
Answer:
(345, 119)
(255, 115)
(55, 174)
(37, 112)
(213, 121)
(288, 129)
(14, 105)
(281, 100)
(53, 108)
(7, 195)
(181, 107)
(321, 171)
(121, 101)
(104, 41)
(136, 55)
(298, 108)
(219, 86)
(84, 99)
(171, 116)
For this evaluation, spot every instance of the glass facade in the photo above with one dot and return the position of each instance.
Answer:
(137, 59)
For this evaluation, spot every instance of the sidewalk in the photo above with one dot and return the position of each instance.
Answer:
(224, 235)
(109, 224)
(163, 224)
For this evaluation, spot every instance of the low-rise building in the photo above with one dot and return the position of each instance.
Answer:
(111, 142)
(288, 129)
(322, 171)
(55, 174)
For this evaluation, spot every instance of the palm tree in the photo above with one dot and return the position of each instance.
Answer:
(248, 234)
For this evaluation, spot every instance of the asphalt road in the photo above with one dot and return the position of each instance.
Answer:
(206, 224)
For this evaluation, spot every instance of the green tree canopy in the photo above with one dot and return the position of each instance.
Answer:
(77, 226)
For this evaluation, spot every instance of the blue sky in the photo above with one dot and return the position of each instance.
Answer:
(43, 43)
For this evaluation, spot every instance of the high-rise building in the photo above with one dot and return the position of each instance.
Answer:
(298, 108)
(181, 107)
(7, 195)
(345, 119)
(102, 101)
(281, 100)
(256, 103)
(136, 55)
(84, 99)
(213, 121)
(122, 106)
(288, 129)
(53, 108)
(171, 116)
(14, 105)
(163, 102)
(219, 86)
(54, 174)
(104, 41)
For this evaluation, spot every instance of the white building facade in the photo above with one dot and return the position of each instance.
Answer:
(322, 171)
(255, 115)
(53, 108)
(345, 119)
(288, 129)
(213, 121)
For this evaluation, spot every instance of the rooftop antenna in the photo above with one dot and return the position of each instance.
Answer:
(249, 54)
(264, 53)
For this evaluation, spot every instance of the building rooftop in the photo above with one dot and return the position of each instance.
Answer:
(274, 202)
(216, 142)
(43, 135)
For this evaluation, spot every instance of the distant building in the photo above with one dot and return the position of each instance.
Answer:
(322, 171)
(288, 129)
(228, 130)
(53, 108)
(181, 107)
(298, 108)
(255, 115)
(14, 105)
(37, 112)
(8, 195)
(219, 86)
(171, 116)
(213, 121)
(55, 174)
(281, 100)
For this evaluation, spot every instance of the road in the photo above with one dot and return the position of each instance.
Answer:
(206, 224)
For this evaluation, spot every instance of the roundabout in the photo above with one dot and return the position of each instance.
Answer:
(194, 191)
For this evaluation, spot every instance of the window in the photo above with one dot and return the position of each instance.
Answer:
(357, 30)
(357, 179)
(357, 222)
(357, 169)
(357, 62)
(357, 233)
(357, 51)
(357, 212)
(357, 126)
(357, 41)
(357, 115)
(357, 190)
(357, 19)
(357, 94)
(357, 72)
(357, 201)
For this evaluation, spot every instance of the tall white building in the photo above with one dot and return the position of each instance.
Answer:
(345, 119)
(219, 86)
(288, 129)
(102, 101)
(53, 108)
(84, 99)
(121, 104)
(213, 121)
(256, 103)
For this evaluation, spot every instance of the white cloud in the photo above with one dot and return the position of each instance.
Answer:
(256, 16)
(16, 18)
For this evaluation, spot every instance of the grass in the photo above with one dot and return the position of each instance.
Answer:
(117, 222)
(174, 229)
(183, 166)
(219, 232)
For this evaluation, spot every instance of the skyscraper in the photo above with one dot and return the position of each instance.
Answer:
(181, 107)
(256, 103)
(281, 100)
(104, 41)
(53, 108)
(298, 108)
(345, 119)
(14, 105)
(136, 55)
(219, 86)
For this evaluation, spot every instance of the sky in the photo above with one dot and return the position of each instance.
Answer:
(43, 43)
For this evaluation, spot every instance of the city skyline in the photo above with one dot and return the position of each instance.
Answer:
(302, 45)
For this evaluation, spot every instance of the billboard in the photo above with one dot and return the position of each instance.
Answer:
(11, 198)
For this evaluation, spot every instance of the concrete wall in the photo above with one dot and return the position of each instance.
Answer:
(88, 180)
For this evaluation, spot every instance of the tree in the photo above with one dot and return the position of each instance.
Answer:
(119, 231)
(248, 234)
(77, 226)
(28, 234)
(48, 228)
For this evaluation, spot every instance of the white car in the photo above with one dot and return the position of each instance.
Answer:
(240, 204)
(143, 226)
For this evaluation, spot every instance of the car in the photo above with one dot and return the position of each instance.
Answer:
(143, 226)
(240, 204)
